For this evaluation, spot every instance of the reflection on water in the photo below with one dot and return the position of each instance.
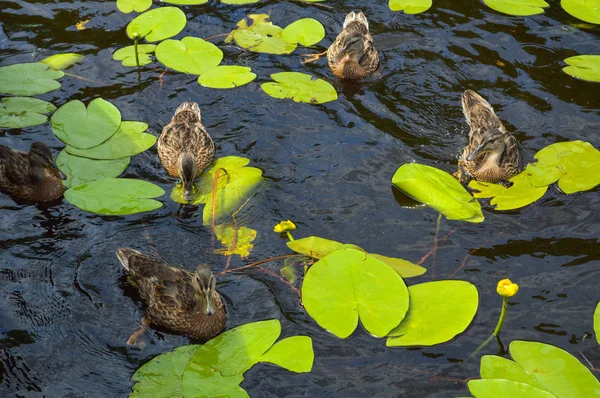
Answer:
(66, 310)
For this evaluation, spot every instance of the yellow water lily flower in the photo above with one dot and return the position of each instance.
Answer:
(506, 288)
(284, 226)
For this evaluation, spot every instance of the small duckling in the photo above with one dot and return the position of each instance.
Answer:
(30, 177)
(184, 147)
(352, 55)
(177, 299)
(492, 154)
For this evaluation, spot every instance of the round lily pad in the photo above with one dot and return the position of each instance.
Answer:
(438, 312)
(115, 196)
(186, 2)
(157, 24)
(127, 6)
(518, 8)
(62, 61)
(493, 388)
(19, 112)
(226, 76)
(127, 54)
(300, 87)
(260, 35)
(584, 67)
(586, 10)
(81, 170)
(306, 31)
(597, 322)
(29, 79)
(84, 128)
(410, 6)
(239, 1)
(189, 55)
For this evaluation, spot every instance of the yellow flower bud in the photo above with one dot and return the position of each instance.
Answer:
(284, 226)
(506, 288)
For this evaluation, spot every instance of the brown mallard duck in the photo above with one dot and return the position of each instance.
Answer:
(184, 147)
(492, 154)
(352, 54)
(31, 177)
(177, 299)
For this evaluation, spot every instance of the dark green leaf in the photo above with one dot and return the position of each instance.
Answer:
(28, 79)
(81, 170)
(19, 112)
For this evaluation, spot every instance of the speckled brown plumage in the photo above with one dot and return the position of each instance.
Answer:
(185, 134)
(30, 177)
(352, 55)
(176, 298)
(494, 151)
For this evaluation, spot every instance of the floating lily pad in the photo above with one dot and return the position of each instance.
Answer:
(300, 87)
(227, 76)
(410, 6)
(586, 10)
(127, 54)
(115, 196)
(306, 31)
(494, 367)
(81, 170)
(438, 312)
(585, 67)
(19, 112)
(127, 6)
(439, 190)
(521, 193)
(239, 1)
(597, 322)
(62, 61)
(29, 79)
(186, 2)
(242, 244)
(257, 33)
(157, 24)
(517, 7)
(84, 128)
(130, 139)
(189, 55)
(284, 354)
(346, 285)
(494, 388)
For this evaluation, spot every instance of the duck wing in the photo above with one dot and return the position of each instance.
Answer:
(14, 167)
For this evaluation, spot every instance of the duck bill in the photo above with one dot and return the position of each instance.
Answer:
(475, 153)
(55, 171)
(188, 190)
(209, 309)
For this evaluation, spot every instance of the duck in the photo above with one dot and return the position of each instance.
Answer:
(32, 176)
(184, 147)
(492, 154)
(352, 55)
(183, 301)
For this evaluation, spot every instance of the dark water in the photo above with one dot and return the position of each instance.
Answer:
(66, 310)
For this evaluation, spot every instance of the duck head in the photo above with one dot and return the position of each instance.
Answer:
(41, 163)
(205, 286)
(492, 142)
(186, 165)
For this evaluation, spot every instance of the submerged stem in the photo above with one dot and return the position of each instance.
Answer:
(135, 48)
(502, 316)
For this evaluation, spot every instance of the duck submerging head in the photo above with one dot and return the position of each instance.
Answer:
(187, 173)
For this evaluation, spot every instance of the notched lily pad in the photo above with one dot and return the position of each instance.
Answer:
(157, 24)
(257, 33)
(236, 240)
(410, 6)
(127, 6)
(29, 79)
(521, 193)
(300, 87)
(62, 61)
(586, 10)
(518, 7)
(306, 31)
(190, 55)
(19, 112)
(81, 170)
(127, 54)
(585, 67)
(227, 76)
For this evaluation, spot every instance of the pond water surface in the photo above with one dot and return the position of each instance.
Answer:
(66, 308)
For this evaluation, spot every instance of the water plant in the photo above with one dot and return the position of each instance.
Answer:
(586, 10)
(20, 112)
(300, 87)
(62, 61)
(585, 67)
(29, 79)
(410, 6)
(518, 8)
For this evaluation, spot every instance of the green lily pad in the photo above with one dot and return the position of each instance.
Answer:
(574, 164)
(438, 312)
(19, 112)
(306, 31)
(494, 367)
(29, 79)
(284, 354)
(346, 285)
(585, 67)
(186, 2)
(239, 1)
(410, 6)
(115, 196)
(130, 139)
(190, 55)
(62, 61)
(127, 54)
(518, 7)
(300, 87)
(439, 190)
(520, 194)
(586, 10)
(81, 170)
(228, 76)
(494, 388)
(260, 35)
(316, 247)
(84, 128)
(127, 6)
(597, 322)
(157, 24)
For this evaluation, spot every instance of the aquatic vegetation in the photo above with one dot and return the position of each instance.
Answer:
(410, 6)
(305, 31)
(19, 112)
(157, 24)
(439, 190)
(537, 370)
(300, 87)
(217, 367)
(586, 10)
(128, 54)
(29, 79)
(227, 76)
(62, 61)
(80, 170)
(521, 193)
(438, 312)
(187, 2)
(597, 322)
(236, 240)
(190, 55)
(115, 196)
(127, 6)
(585, 67)
(505, 289)
(518, 8)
